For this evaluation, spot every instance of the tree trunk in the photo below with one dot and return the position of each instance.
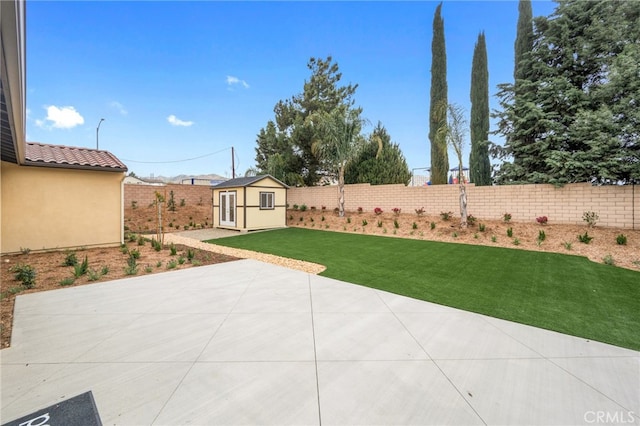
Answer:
(463, 204)
(341, 191)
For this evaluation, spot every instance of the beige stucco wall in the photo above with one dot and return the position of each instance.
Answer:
(47, 208)
(248, 202)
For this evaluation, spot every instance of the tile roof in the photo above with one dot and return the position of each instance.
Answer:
(245, 181)
(38, 154)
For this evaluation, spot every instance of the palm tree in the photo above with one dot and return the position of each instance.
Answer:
(454, 132)
(338, 143)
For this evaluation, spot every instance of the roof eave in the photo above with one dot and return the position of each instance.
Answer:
(74, 166)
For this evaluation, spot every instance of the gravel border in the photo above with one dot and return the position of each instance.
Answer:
(300, 265)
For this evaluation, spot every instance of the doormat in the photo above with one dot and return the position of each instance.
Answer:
(77, 411)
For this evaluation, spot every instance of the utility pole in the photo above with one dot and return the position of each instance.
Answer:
(98, 130)
(233, 164)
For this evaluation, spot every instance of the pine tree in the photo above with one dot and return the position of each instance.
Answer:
(479, 164)
(437, 114)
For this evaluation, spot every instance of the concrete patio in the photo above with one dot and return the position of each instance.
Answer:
(248, 342)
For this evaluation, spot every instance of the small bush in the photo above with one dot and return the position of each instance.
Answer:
(79, 269)
(585, 238)
(181, 260)
(104, 270)
(134, 205)
(379, 224)
(494, 238)
(475, 236)
(148, 269)
(621, 240)
(26, 274)
(396, 210)
(141, 240)
(360, 210)
(516, 242)
(301, 218)
(481, 227)
(364, 222)
(172, 264)
(295, 207)
(567, 245)
(123, 249)
(455, 235)
(396, 225)
(378, 211)
(191, 254)
(542, 220)
(471, 219)
(135, 253)
(25, 250)
(432, 225)
(132, 266)
(182, 202)
(608, 260)
(414, 225)
(541, 236)
(67, 281)
(157, 246)
(322, 218)
(290, 217)
(591, 218)
(173, 250)
(133, 238)
(93, 275)
(196, 262)
(446, 215)
(506, 217)
(303, 207)
(509, 232)
(71, 259)
(311, 219)
(420, 211)
(348, 220)
(158, 263)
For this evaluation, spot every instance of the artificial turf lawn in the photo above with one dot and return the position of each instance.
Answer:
(564, 293)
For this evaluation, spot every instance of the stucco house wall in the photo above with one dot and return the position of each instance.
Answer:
(48, 208)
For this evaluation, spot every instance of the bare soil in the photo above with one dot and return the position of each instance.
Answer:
(50, 271)
(525, 236)
(144, 219)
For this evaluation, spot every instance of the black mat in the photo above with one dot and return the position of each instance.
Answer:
(77, 411)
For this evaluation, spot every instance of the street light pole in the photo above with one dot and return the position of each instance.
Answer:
(98, 130)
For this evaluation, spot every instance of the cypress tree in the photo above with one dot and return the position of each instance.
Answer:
(479, 165)
(524, 40)
(439, 102)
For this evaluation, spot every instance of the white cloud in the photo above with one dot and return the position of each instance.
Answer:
(118, 107)
(175, 121)
(231, 80)
(61, 117)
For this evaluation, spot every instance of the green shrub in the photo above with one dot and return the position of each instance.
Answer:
(173, 250)
(67, 281)
(191, 254)
(364, 222)
(157, 246)
(181, 260)
(455, 235)
(541, 236)
(148, 269)
(481, 227)
(432, 225)
(135, 253)
(516, 242)
(585, 238)
(123, 250)
(621, 240)
(348, 220)
(132, 266)
(104, 270)
(79, 269)
(446, 215)
(506, 217)
(183, 203)
(158, 263)
(26, 274)
(509, 232)
(379, 223)
(608, 260)
(196, 262)
(414, 225)
(93, 275)
(471, 220)
(303, 207)
(25, 250)
(141, 240)
(322, 219)
(290, 217)
(133, 238)
(172, 264)
(71, 259)
(494, 238)
(295, 207)
(396, 224)
(567, 245)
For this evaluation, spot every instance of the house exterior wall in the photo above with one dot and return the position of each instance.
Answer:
(48, 208)
(617, 206)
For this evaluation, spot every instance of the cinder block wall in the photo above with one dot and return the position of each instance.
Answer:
(145, 194)
(617, 206)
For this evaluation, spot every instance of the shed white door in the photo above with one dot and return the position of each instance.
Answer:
(228, 208)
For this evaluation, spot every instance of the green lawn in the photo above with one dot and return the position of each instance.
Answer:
(564, 293)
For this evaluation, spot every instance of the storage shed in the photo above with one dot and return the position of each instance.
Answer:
(250, 203)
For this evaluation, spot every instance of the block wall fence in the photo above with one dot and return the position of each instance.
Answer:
(617, 206)
(146, 194)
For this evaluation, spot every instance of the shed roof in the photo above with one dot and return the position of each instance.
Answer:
(245, 181)
(39, 154)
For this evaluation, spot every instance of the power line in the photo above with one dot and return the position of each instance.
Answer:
(176, 161)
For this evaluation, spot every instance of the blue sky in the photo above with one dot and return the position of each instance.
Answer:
(179, 80)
